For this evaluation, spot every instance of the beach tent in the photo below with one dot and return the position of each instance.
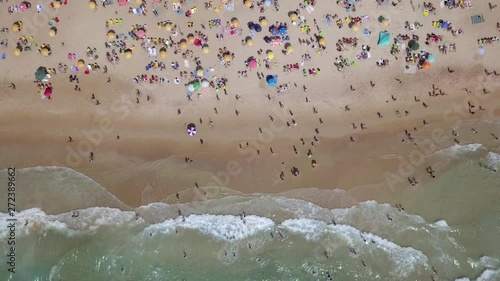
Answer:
(384, 38)
(191, 129)
(40, 73)
(272, 80)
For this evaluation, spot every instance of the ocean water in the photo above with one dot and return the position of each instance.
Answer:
(454, 235)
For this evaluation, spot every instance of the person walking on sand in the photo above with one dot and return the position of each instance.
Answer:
(12, 86)
(70, 139)
(91, 157)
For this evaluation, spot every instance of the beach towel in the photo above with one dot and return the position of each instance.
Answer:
(384, 39)
(2, 56)
(310, 9)
(186, 63)
(477, 19)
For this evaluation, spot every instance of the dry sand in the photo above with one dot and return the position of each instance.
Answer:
(147, 163)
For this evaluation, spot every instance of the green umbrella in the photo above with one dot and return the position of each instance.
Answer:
(196, 85)
(413, 45)
(40, 73)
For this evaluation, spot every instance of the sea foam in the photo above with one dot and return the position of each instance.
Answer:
(458, 149)
(219, 227)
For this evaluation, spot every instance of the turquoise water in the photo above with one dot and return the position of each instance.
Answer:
(278, 238)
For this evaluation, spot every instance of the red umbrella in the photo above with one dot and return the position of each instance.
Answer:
(48, 92)
(252, 63)
(197, 42)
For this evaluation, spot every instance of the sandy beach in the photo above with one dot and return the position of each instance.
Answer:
(365, 131)
(153, 130)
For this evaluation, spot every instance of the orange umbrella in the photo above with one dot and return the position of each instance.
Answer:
(426, 65)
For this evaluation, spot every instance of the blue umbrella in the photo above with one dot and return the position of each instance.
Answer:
(268, 3)
(445, 24)
(275, 32)
(191, 129)
(267, 39)
(272, 80)
(482, 51)
(251, 25)
(431, 58)
(257, 27)
(283, 30)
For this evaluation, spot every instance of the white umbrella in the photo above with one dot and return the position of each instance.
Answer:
(205, 84)
(192, 131)
(190, 87)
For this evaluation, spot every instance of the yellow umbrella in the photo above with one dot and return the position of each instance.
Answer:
(385, 22)
(52, 31)
(128, 54)
(206, 49)
(235, 22)
(227, 57)
(322, 41)
(183, 44)
(80, 64)
(199, 72)
(263, 22)
(355, 27)
(163, 54)
(169, 27)
(248, 3)
(138, 1)
(44, 52)
(294, 16)
(57, 4)
(17, 51)
(250, 42)
(17, 26)
(270, 55)
(92, 5)
(190, 38)
(111, 35)
(289, 49)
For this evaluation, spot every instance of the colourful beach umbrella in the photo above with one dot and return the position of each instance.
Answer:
(111, 35)
(271, 80)
(92, 5)
(80, 64)
(235, 22)
(270, 55)
(52, 31)
(44, 52)
(17, 51)
(252, 63)
(191, 129)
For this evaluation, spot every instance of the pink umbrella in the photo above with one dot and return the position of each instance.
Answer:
(252, 63)
(48, 92)
(122, 2)
(157, 1)
(140, 33)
